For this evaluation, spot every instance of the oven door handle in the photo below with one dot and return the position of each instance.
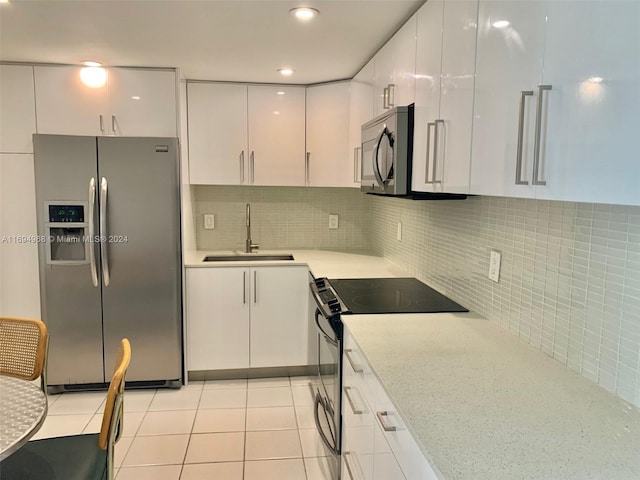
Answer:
(326, 336)
(319, 402)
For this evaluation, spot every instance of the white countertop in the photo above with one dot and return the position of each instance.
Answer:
(484, 405)
(322, 263)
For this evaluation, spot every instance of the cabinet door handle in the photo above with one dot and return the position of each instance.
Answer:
(113, 124)
(355, 164)
(383, 423)
(255, 287)
(385, 98)
(435, 149)
(391, 95)
(244, 288)
(536, 145)
(347, 393)
(101, 123)
(351, 468)
(356, 368)
(426, 168)
(251, 165)
(521, 111)
(242, 166)
(306, 168)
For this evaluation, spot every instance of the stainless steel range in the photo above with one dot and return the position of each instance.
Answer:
(334, 298)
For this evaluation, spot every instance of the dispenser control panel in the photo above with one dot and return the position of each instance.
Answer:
(66, 213)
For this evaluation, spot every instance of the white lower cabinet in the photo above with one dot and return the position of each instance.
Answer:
(247, 317)
(376, 444)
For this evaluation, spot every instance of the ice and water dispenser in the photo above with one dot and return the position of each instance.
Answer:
(66, 228)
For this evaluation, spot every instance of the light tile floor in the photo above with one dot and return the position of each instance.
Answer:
(260, 429)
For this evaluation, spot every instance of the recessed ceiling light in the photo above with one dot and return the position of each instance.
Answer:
(304, 13)
(501, 23)
(91, 63)
(135, 97)
(93, 77)
(4, 1)
(276, 112)
(285, 71)
(280, 92)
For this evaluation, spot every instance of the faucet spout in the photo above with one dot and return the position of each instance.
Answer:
(250, 247)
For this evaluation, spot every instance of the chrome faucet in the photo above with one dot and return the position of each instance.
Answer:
(250, 247)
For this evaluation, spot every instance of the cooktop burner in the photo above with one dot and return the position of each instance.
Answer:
(391, 295)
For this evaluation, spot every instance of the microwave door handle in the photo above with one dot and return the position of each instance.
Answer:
(376, 163)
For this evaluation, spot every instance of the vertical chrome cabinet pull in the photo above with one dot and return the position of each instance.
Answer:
(350, 468)
(101, 124)
(385, 426)
(536, 145)
(347, 393)
(385, 98)
(521, 110)
(244, 288)
(355, 164)
(391, 95)
(92, 232)
(426, 167)
(306, 167)
(255, 287)
(242, 166)
(103, 232)
(356, 368)
(113, 124)
(251, 165)
(435, 149)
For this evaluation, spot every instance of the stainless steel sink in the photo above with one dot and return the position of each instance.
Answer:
(247, 258)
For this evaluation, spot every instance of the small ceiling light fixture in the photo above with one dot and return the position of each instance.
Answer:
(280, 92)
(304, 14)
(276, 112)
(93, 75)
(501, 23)
(286, 72)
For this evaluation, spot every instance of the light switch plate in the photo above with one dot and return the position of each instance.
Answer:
(209, 221)
(333, 222)
(494, 265)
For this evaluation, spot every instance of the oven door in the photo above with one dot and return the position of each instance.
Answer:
(327, 401)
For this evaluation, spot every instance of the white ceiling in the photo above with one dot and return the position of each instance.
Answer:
(207, 39)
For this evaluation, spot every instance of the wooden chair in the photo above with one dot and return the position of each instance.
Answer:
(23, 349)
(77, 457)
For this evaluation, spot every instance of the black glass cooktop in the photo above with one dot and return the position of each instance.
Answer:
(392, 295)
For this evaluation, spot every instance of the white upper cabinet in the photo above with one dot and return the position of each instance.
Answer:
(217, 119)
(133, 102)
(508, 69)
(329, 163)
(17, 109)
(427, 97)
(277, 135)
(445, 65)
(567, 131)
(360, 112)
(395, 66)
(589, 149)
(142, 103)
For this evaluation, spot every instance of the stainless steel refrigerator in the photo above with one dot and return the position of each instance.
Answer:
(110, 267)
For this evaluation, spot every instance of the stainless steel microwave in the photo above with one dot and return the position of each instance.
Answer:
(387, 146)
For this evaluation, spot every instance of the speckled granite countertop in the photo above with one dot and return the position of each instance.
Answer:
(322, 263)
(485, 405)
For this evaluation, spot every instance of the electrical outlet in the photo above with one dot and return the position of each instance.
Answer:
(399, 232)
(333, 222)
(494, 265)
(209, 221)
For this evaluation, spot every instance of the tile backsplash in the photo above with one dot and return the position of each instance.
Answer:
(569, 280)
(282, 218)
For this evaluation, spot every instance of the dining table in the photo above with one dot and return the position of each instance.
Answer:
(23, 409)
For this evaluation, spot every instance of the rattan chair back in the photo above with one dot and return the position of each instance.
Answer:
(23, 347)
(112, 417)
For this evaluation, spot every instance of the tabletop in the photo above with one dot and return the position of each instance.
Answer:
(23, 408)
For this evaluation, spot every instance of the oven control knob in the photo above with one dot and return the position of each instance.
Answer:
(320, 283)
(334, 305)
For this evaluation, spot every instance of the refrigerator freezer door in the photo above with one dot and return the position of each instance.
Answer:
(71, 305)
(141, 230)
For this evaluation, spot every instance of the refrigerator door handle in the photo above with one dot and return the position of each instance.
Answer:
(103, 232)
(92, 231)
